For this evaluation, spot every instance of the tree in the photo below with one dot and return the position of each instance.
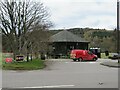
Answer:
(39, 42)
(102, 38)
(95, 42)
(0, 41)
(108, 44)
(18, 19)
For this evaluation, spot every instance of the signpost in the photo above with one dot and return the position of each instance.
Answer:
(8, 60)
(19, 58)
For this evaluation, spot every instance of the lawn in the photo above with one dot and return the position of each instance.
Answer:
(35, 64)
(31, 65)
(105, 57)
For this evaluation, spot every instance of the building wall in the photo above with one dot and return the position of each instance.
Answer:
(64, 48)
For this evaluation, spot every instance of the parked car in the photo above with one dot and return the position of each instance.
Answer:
(114, 56)
(82, 55)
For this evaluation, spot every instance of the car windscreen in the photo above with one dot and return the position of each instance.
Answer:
(89, 52)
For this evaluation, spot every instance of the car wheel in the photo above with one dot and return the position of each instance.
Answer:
(80, 59)
(74, 59)
(94, 59)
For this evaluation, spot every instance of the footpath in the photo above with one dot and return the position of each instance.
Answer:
(112, 63)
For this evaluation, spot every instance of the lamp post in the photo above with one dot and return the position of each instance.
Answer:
(118, 36)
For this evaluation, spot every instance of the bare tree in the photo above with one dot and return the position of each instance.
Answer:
(39, 41)
(18, 18)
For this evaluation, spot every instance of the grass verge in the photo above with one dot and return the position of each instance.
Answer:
(103, 56)
(31, 65)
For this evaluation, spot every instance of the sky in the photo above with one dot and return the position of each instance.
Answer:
(95, 14)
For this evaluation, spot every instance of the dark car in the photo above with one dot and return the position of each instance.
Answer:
(115, 56)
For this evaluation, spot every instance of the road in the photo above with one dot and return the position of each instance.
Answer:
(64, 73)
(0, 78)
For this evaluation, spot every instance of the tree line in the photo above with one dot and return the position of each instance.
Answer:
(103, 39)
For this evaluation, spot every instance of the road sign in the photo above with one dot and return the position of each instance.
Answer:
(8, 60)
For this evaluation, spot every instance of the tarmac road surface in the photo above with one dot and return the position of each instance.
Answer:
(64, 73)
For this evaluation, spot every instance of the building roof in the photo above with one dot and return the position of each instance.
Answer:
(66, 36)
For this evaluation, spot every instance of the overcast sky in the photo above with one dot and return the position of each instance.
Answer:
(82, 13)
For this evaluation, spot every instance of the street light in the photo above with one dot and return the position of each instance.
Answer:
(118, 36)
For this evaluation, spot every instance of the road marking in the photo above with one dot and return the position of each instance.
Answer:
(54, 86)
(83, 62)
(93, 62)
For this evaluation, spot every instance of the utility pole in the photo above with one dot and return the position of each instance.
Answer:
(118, 24)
